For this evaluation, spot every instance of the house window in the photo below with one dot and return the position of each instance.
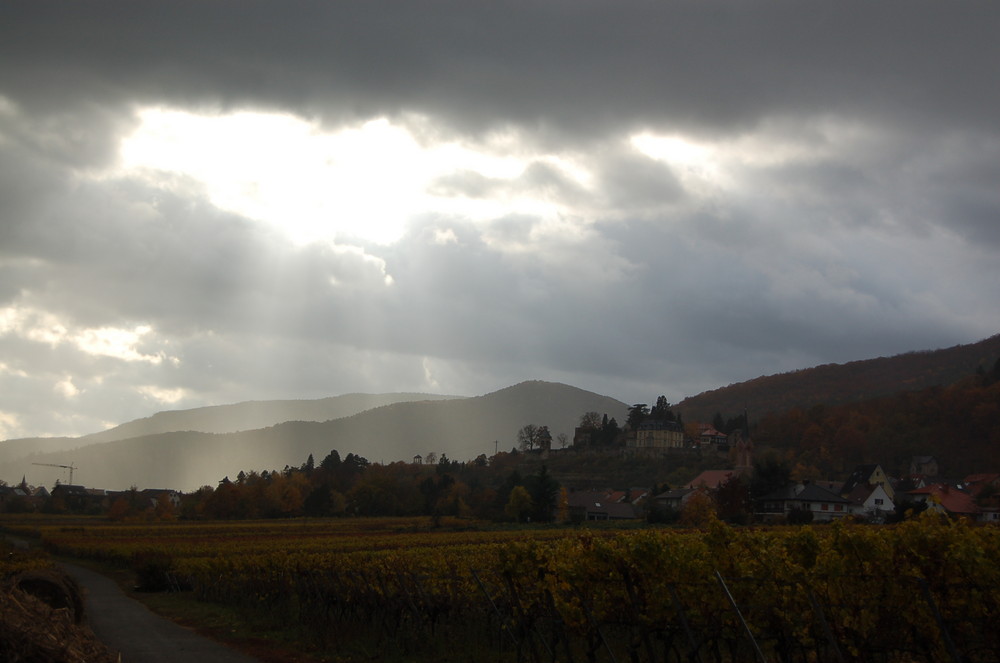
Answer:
(826, 507)
(878, 501)
(838, 507)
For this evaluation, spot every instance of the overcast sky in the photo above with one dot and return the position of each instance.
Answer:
(209, 202)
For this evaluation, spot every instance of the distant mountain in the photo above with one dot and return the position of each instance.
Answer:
(248, 415)
(834, 384)
(462, 429)
(26, 446)
(251, 415)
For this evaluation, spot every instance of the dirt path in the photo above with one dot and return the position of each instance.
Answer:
(141, 636)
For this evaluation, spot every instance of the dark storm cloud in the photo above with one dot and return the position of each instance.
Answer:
(562, 67)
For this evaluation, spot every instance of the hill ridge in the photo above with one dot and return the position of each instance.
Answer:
(834, 384)
(461, 428)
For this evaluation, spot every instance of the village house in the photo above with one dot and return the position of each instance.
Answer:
(989, 514)
(868, 476)
(802, 498)
(656, 436)
(709, 439)
(152, 496)
(982, 484)
(673, 500)
(77, 499)
(985, 490)
(870, 502)
(15, 498)
(605, 504)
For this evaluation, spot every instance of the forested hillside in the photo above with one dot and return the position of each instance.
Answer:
(835, 384)
(958, 424)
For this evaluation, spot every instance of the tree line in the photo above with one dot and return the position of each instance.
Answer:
(486, 488)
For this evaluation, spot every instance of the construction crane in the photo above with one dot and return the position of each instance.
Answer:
(69, 467)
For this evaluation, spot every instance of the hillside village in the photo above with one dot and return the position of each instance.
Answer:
(741, 489)
(868, 494)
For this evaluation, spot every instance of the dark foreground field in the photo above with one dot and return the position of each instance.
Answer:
(399, 589)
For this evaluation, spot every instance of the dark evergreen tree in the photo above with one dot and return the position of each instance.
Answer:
(718, 423)
(733, 501)
(661, 411)
(544, 491)
(769, 475)
(609, 432)
(332, 461)
(636, 415)
(318, 501)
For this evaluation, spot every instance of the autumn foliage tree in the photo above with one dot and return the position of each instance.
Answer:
(519, 504)
(699, 510)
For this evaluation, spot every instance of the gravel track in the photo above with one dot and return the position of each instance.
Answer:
(139, 635)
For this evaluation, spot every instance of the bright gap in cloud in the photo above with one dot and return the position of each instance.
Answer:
(118, 343)
(673, 149)
(42, 327)
(161, 395)
(360, 182)
(66, 388)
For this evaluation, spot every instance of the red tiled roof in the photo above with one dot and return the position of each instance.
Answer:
(951, 499)
(977, 482)
(615, 496)
(982, 478)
